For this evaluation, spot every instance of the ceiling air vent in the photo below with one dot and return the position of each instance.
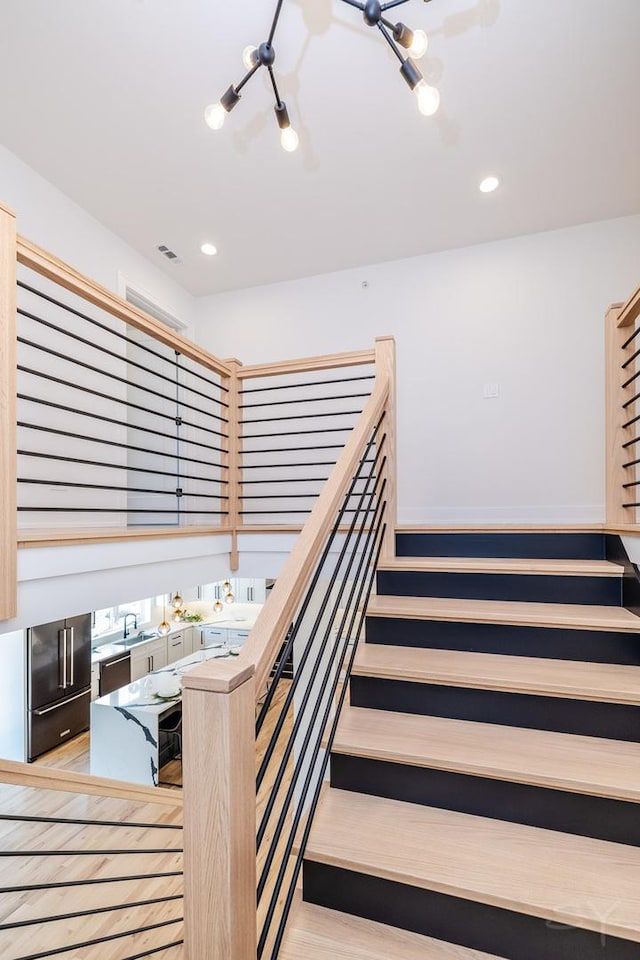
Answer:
(168, 253)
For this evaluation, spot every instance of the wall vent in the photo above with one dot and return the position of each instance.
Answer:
(168, 253)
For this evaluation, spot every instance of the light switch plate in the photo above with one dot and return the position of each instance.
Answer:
(490, 391)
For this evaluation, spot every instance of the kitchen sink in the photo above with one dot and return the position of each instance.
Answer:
(134, 641)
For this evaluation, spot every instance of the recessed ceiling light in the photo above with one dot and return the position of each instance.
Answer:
(208, 249)
(489, 184)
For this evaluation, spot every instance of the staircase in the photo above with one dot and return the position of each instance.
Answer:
(485, 778)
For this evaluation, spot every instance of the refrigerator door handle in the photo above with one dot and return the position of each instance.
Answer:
(41, 713)
(71, 652)
(64, 656)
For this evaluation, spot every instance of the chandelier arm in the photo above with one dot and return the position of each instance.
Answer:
(274, 24)
(247, 77)
(385, 33)
(360, 6)
(393, 3)
(275, 87)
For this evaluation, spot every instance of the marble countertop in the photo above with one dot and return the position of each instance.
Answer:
(142, 693)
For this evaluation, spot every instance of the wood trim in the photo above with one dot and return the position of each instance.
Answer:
(615, 436)
(233, 459)
(630, 310)
(386, 370)
(8, 439)
(276, 616)
(307, 364)
(500, 527)
(220, 823)
(504, 566)
(44, 263)
(46, 778)
(61, 538)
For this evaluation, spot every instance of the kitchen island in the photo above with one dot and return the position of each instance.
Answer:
(126, 739)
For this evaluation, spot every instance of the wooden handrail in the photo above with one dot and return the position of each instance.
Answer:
(330, 361)
(8, 456)
(44, 263)
(275, 618)
(630, 310)
(47, 778)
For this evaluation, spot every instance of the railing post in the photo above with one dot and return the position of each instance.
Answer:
(615, 417)
(386, 366)
(8, 442)
(219, 776)
(235, 485)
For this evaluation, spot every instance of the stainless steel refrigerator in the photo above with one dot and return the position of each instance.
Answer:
(59, 682)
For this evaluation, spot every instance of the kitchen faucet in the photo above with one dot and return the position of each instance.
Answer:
(126, 631)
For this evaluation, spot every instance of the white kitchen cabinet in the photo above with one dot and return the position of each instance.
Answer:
(175, 647)
(95, 681)
(188, 640)
(235, 638)
(211, 637)
(148, 657)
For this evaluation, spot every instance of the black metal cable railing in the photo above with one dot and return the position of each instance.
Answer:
(130, 915)
(323, 639)
(629, 366)
(113, 423)
(290, 427)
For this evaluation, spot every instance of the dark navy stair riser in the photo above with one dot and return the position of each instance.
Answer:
(586, 717)
(533, 588)
(477, 926)
(615, 820)
(521, 641)
(520, 546)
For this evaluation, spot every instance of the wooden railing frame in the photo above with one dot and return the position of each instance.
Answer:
(618, 324)
(8, 442)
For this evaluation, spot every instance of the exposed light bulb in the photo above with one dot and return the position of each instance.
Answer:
(177, 600)
(489, 184)
(208, 249)
(428, 98)
(217, 606)
(289, 139)
(164, 628)
(229, 598)
(248, 58)
(419, 44)
(214, 115)
(226, 586)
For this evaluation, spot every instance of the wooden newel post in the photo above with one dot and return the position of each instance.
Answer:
(386, 366)
(8, 506)
(219, 777)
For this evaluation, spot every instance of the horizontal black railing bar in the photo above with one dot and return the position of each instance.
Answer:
(628, 382)
(630, 359)
(245, 483)
(310, 494)
(631, 463)
(281, 466)
(88, 913)
(112, 376)
(633, 399)
(127, 467)
(294, 433)
(120, 400)
(635, 483)
(152, 950)
(121, 358)
(176, 510)
(103, 486)
(23, 818)
(364, 586)
(91, 881)
(126, 339)
(303, 416)
(114, 443)
(281, 403)
(631, 505)
(630, 339)
(324, 446)
(118, 423)
(310, 688)
(629, 423)
(310, 383)
(630, 443)
(107, 939)
(90, 853)
(286, 652)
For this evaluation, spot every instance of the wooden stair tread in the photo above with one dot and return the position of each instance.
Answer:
(578, 680)
(587, 883)
(316, 933)
(580, 616)
(558, 568)
(560, 761)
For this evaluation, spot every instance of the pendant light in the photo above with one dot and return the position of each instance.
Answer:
(398, 36)
(165, 626)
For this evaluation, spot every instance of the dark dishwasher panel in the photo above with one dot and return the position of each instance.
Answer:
(53, 725)
(115, 672)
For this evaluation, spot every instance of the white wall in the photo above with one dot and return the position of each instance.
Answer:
(525, 313)
(49, 218)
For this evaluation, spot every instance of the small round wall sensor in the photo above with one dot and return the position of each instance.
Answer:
(365, 284)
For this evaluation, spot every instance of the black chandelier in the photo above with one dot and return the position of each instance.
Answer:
(398, 36)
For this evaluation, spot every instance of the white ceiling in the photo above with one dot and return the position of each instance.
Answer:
(105, 98)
